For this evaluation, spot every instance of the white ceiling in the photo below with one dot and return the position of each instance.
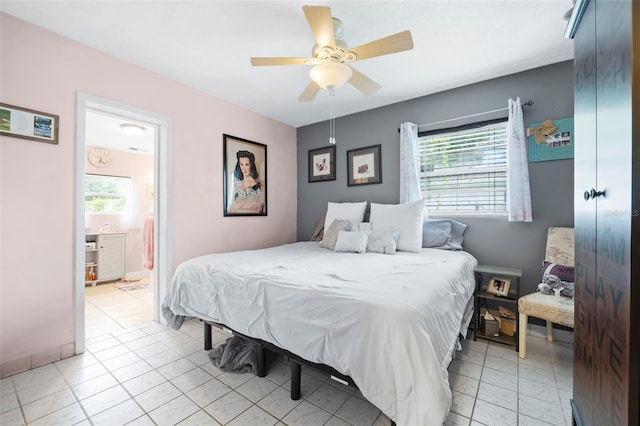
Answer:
(207, 44)
(104, 130)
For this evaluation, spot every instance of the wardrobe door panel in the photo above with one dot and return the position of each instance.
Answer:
(585, 154)
(612, 289)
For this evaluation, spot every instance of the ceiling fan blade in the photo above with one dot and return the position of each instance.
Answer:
(309, 93)
(363, 83)
(321, 23)
(392, 44)
(265, 61)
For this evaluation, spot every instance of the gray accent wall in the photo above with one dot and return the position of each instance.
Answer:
(493, 241)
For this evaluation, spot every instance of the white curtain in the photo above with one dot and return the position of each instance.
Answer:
(130, 218)
(519, 197)
(409, 163)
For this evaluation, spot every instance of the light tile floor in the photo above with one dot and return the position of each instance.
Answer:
(148, 374)
(109, 309)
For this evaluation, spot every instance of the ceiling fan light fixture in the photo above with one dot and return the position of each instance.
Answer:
(338, 29)
(132, 129)
(330, 75)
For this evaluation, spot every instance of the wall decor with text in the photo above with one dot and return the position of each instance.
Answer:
(28, 124)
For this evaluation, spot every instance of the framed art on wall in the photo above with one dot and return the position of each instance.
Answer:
(363, 166)
(550, 140)
(28, 124)
(322, 164)
(244, 177)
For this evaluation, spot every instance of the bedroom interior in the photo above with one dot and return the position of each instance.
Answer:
(160, 375)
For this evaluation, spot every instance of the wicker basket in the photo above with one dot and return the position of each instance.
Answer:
(489, 327)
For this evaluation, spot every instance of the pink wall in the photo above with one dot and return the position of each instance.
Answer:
(139, 167)
(44, 71)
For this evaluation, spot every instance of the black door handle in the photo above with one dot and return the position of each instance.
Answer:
(594, 194)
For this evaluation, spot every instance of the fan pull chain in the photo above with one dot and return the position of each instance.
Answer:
(332, 118)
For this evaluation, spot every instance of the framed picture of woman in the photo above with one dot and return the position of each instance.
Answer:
(245, 177)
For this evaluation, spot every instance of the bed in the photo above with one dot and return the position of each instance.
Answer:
(399, 316)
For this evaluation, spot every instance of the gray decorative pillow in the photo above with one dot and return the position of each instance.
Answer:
(318, 232)
(436, 233)
(331, 234)
(443, 234)
(380, 241)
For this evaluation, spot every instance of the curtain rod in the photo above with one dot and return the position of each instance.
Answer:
(528, 103)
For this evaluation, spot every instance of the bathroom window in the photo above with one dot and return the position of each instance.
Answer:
(105, 194)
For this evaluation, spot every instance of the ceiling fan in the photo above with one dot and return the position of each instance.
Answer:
(331, 55)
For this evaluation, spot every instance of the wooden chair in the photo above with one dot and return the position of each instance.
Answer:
(552, 309)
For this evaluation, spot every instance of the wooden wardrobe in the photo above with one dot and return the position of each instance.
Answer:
(606, 375)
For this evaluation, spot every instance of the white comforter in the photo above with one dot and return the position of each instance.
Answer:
(390, 322)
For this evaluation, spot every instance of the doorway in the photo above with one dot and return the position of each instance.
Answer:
(156, 206)
(119, 195)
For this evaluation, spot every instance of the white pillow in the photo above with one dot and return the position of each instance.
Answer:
(404, 218)
(353, 212)
(355, 242)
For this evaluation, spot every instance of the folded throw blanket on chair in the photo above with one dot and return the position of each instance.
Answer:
(551, 284)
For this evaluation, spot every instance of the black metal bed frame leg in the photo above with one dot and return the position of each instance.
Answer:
(262, 361)
(296, 370)
(207, 336)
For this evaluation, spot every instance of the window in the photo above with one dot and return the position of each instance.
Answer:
(464, 171)
(105, 194)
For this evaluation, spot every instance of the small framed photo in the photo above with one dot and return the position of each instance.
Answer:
(28, 124)
(363, 166)
(499, 286)
(322, 164)
(244, 177)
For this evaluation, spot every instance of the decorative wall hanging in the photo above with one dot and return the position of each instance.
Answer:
(363, 166)
(550, 140)
(244, 177)
(322, 164)
(28, 124)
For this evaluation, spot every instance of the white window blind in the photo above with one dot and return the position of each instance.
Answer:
(464, 172)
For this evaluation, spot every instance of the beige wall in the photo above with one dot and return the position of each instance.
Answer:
(43, 71)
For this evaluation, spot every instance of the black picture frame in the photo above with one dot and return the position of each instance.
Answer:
(28, 124)
(239, 199)
(363, 166)
(322, 164)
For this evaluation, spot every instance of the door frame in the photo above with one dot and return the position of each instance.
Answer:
(163, 211)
